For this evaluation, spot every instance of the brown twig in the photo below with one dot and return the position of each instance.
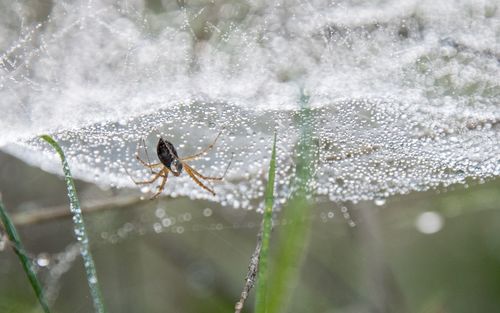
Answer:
(60, 212)
(253, 268)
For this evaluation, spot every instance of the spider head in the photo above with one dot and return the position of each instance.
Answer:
(176, 167)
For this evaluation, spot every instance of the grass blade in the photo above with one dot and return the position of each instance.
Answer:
(79, 227)
(267, 225)
(293, 237)
(17, 245)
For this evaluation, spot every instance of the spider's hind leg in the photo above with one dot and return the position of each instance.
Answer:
(147, 164)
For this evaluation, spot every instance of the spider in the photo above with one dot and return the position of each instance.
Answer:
(170, 162)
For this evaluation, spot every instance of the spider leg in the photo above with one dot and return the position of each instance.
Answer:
(195, 172)
(147, 164)
(196, 180)
(197, 155)
(162, 185)
(152, 180)
(145, 150)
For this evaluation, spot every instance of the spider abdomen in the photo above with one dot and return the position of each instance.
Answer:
(166, 152)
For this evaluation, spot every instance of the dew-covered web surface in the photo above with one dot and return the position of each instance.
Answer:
(404, 95)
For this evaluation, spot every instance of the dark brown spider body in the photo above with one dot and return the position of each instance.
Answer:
(168, 156)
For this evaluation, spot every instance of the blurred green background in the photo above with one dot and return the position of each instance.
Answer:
(180, 255)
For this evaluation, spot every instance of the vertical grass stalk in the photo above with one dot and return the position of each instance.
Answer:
(293, 237)
(267, 225)
(79, 228)
(18, 248)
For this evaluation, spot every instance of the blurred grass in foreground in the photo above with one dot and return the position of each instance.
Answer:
(79, 228)
(293, 239)
(17, 246)
(262, 290)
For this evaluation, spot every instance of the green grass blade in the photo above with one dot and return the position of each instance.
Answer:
(17, 245)
(293, 237)
(79, 227)
(262, 279)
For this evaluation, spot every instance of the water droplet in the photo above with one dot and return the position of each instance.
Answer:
(429, 222)
(43, 260)
(166, 222)
(207, 212)
(160, 213)
(157, 227)
(92, 280)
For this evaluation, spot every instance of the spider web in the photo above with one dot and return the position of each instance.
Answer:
(404, 94)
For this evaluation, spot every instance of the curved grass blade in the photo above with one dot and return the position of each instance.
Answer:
(18, 248)
(267, 225)
(79, 228)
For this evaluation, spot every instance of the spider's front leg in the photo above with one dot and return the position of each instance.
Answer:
(197, 155)
(195, 172)
(196, 180)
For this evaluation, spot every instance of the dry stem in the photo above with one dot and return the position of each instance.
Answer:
(253, 269)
